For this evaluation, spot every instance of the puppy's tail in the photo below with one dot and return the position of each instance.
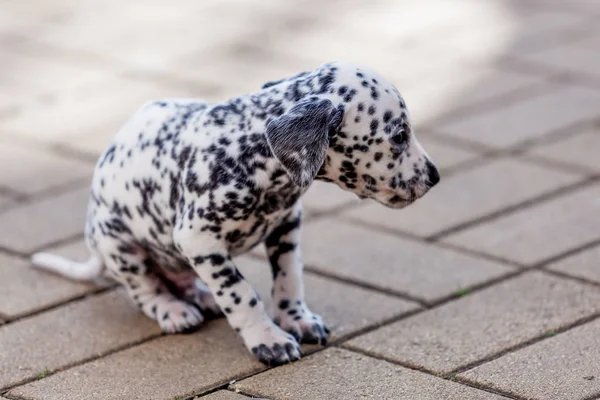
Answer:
(79, 271)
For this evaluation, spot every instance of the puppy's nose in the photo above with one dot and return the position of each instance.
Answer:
(433, 174)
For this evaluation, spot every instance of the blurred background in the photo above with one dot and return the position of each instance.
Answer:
(504, 95)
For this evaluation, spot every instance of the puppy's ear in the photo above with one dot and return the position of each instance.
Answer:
(299, 138)
(291, 78)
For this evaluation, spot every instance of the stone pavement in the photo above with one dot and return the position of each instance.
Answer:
(487, 288)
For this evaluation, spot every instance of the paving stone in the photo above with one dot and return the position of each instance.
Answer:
(440, 93)
(174, 365)
(482, 324)
(526, 30)
(578, 57)
(222, 395)
(31, 226)
(94, 112)
(6, 201)
(583, 265)
(529, 235)
(24, 289)
(581, 149)
(563, 367)
(38, 170)
(529, 118)
(345, 308)
(27, 77)
(323, 197)
(392, 263)
(467, 196)
(340, 374)
(70, 334)
(444, 156)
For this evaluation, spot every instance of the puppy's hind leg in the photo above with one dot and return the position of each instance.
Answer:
(191, 289)
(131, 267)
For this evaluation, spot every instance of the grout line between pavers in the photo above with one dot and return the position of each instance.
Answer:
(523, 205)
(521, 146)
(490, 390)
(81, 362)
(420, 239)
(565, 254)
(564, 275)
(420, 369)
(53, 306)
(54, 191)
(523, 93)
(527, 343)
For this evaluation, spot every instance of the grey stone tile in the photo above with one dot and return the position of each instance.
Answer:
(530, 235)
(563, 367)
(70, 334)
(33, 225)
(578, 58)
(28, 78)
(345, 308)
(222, 395)
(529, 118)
(24, 289)
(423, 271)
(6, 201)
(95, 113)
(583, 265)
(38, 170)
(444, 156)
(340, 374)
(581, 149)
(467, 196)
(440, 93)
(174, 365)
(482, 324)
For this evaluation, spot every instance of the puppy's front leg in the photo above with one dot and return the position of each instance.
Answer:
(244, 310)
(291, 312)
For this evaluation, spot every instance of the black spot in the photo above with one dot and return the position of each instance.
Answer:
(283, 304)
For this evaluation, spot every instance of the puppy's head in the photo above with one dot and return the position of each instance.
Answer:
(350, 126)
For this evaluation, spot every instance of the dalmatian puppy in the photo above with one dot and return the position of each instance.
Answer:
(185, 186)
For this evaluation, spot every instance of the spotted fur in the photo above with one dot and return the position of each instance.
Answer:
(186, 185)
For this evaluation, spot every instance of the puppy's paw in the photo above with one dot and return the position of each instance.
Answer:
(306, 326)
(271, 345)
(175, 316)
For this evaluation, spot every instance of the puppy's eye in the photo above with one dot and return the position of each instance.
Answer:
(399, 138)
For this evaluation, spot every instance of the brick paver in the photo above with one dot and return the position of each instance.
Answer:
(402, 265)
(412, 287)
(70, 334)
(175, 365)
(38, 170)
(55, 218)
(444, 156)
(468, 196)
(559, 108)
(24, 289)
(340, 374)
(583, 265)
(578, 57)
(530, 235)
(581, 149)
(484, 323)
(564, 367)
